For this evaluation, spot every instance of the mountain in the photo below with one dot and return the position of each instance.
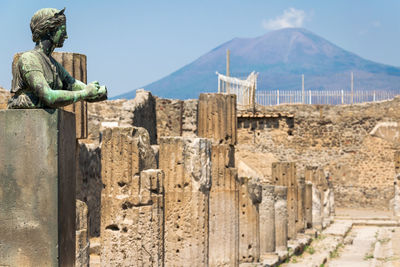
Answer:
(280, 57)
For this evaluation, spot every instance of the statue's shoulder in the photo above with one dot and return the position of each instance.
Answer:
(30, 60)
(29, 56)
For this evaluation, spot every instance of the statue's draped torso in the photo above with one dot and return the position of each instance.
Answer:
(36, 61)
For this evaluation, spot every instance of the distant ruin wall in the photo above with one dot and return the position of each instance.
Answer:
(4, 96)
(176, 117)
(359, 165)
(139, 112)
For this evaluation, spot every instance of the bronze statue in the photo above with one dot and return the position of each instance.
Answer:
(39, 80)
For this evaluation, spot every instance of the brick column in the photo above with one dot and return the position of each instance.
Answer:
(187, 166)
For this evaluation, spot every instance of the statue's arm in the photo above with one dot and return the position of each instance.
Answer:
(57, 98)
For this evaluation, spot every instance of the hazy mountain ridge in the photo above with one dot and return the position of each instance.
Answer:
(280, 57)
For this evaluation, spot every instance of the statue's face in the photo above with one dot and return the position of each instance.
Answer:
(60, 36)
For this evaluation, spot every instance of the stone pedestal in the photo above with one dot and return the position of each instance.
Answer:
(37, 188)
(249, 221)
(267, 220)
(281, 218)
(187, 166)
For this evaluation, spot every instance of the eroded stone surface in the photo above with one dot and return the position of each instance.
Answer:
(187, 166)
(131, 201)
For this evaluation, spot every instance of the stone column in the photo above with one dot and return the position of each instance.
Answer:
(249, 221)
(284, 173)
(187, 166)
(267, 220)
(332, 203)
(396, 182)
(301, 191)
(224, 208)
(217, 118)
(326, 208)
(308, 204)
(316, 208)
(281, 218)
(217, 121)
(82, 235)
(131, 200)
(76, 65)
(37, 187)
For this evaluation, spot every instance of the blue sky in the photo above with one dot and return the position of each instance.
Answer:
(132, 43)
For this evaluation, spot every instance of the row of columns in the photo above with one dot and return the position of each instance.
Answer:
(195, 209)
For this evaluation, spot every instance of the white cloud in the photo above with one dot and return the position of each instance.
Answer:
(289, 19)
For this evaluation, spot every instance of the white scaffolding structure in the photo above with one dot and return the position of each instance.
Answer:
(245, 90)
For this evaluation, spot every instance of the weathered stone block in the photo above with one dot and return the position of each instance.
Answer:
(169, 117)
(187, 166)
(131, 201)
(249, 221)
(37, 188)
(82, 244)
(217, 118)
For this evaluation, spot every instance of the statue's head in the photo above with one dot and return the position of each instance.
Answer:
(49, 23)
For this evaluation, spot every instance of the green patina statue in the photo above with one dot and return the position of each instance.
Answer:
(39, 80)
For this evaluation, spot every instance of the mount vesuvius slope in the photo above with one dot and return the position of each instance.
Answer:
(280, 57)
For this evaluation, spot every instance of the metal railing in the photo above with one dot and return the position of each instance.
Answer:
(330, 97)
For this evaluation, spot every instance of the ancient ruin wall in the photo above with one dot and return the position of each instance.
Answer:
(4, 96)
(139, 112)
(360, 165)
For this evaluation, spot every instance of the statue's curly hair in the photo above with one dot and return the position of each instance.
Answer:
(46, 21)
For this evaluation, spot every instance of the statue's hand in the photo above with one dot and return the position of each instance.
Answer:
(101, 95)
(102, 91)
(92, 89)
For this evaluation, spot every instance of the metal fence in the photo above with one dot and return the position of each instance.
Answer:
(330, 97)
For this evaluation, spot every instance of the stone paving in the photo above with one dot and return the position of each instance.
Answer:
(356, 238)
